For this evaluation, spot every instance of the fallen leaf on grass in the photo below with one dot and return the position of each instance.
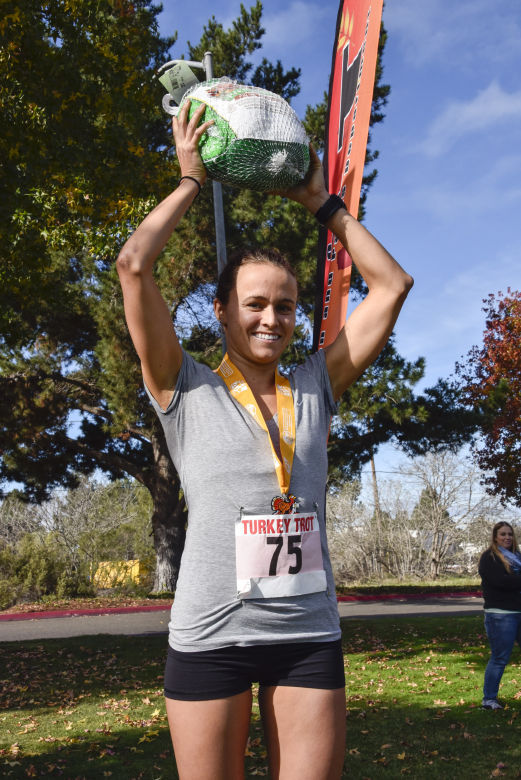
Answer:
(400, 756)
(148, 737)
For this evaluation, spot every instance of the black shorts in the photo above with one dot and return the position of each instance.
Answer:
(227, 671)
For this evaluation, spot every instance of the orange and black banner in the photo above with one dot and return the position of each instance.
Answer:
(350, 96)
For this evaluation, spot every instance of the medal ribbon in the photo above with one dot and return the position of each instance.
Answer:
(240, 390)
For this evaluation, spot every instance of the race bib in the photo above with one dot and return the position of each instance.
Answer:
(278, 555)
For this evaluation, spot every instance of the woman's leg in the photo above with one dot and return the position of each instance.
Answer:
(210, 737)
(305, 732)
(502, 630)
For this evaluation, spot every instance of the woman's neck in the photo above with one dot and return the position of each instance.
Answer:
(259, 376)
(261, 381)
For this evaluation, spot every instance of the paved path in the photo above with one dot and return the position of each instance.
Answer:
(156, 621)
(403, 607)
(129, 623)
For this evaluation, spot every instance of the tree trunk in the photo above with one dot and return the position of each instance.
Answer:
(377, 517)
(436, 554)
(168, 518)
(376, 495)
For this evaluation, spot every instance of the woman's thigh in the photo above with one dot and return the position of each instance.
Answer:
(502, 631)
(305, 732)
(209, 737)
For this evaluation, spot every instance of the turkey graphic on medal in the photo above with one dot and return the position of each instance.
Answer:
(284, 505)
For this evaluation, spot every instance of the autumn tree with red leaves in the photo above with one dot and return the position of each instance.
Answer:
(492, 383)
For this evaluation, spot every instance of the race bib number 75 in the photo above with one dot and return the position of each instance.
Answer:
(278, 555)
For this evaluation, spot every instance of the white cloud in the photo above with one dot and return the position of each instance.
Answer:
(490, 107)
(462, 32)
(449, 194)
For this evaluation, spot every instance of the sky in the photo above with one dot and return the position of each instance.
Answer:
(447, 199)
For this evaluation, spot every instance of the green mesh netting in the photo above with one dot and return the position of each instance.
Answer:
(256, 141)
(278, 165)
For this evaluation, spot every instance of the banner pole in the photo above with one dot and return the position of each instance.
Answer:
(218, 207)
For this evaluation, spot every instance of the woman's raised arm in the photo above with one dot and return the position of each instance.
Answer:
(368, 328)
(147, 314)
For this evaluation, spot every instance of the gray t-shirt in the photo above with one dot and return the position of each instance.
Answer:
(225, 464)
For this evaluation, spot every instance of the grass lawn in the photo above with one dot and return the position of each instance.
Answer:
(92, 707)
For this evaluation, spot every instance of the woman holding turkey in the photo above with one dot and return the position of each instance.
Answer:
(255, 600)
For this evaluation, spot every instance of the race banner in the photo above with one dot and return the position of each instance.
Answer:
(350, 95)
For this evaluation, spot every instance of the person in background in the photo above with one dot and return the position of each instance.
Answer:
(500, 571)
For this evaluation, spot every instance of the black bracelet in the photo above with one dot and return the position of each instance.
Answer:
(330, 207)
(192, 179)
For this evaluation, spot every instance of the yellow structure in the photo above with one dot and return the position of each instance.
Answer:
(110, 574)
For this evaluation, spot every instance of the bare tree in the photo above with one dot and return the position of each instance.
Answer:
(82, 518)
(16, 519)
(434, 518)
(451, 500)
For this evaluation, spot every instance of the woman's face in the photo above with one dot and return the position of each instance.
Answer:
(504, 537)
(259, 317)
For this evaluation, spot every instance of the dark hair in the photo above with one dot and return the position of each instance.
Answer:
(494, 548)
(228, 276)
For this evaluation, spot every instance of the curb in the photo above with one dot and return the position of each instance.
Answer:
(410, 596)
(45, 615)
(82, 612)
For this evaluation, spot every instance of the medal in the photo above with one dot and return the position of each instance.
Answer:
(283, 505)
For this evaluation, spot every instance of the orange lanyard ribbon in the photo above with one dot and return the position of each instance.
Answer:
(240, 390)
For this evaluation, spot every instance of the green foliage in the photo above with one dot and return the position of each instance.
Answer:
(373, 410)
(36, 567)
(445, 422)
(71, 534)
(82, 140)
(79, 113)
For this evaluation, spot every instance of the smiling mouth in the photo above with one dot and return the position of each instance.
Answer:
(267, 336)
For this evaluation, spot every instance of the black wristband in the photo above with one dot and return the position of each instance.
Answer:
(330, 207)
(192, 179)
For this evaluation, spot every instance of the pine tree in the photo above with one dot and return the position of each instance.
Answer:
(88, 153)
